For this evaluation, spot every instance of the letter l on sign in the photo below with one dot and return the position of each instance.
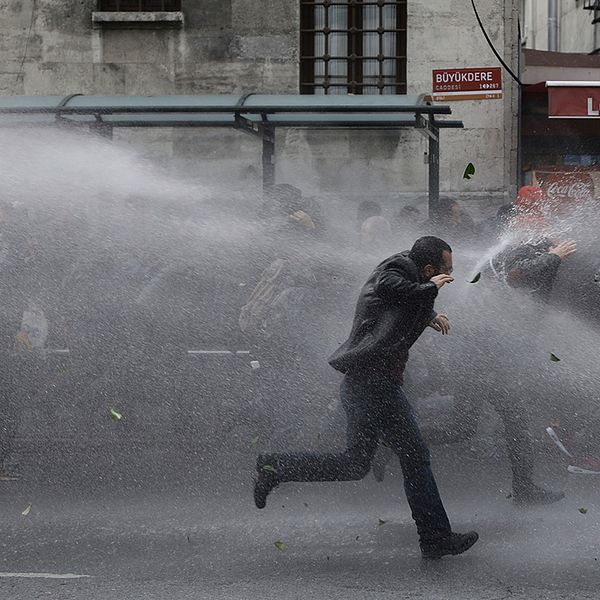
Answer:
(591, 111)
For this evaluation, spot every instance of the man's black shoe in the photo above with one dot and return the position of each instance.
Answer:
(266, 480)
(455, 543)
(532, 495)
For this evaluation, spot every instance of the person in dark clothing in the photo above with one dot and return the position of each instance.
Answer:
(454, 221)
(531, 268)
(394, 308)
(366, 210)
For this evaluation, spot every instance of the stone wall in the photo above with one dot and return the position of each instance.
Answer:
(238, 46)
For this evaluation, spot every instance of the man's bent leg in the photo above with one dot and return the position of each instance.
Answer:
(358, 395)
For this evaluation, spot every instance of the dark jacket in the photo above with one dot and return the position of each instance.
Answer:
(393, 309)
(529, 267)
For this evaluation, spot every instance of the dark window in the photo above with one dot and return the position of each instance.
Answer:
(353, 46)
(139, 5)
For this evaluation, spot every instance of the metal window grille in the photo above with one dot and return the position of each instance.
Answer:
(353, 46)
(593, 5)
(139, 5)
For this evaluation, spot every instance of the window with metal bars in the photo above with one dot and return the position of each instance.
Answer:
(139, 5)
(595, 6)
(353, 46)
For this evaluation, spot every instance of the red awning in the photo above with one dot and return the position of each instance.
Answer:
(573, 99)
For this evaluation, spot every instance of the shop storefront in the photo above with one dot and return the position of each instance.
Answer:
(560, 126)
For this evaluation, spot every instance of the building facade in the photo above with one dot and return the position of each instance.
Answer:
(164, 47)
(561, 25)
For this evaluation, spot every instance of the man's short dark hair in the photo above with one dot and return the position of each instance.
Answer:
(428, 250)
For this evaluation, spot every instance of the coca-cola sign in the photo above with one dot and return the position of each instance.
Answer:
(564, 187)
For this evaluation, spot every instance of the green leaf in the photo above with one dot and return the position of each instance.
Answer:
(27, 510)
(476, 278)
(269, 468)
(381, 522)
(114, 415)
(583, 510)
(280, 546)
(254, 442)
(554, 358)
(469, 171)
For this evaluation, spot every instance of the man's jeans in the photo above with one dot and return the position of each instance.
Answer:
(376, 408)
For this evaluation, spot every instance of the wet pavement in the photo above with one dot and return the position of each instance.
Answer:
(340, 541)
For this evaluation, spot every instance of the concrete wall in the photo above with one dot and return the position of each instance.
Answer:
(575, 30)
(237, 46)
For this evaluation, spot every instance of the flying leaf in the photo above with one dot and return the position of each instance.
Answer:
(280, 546)
(269, 468)
(27, 510)
(469, 171)
(583, 510)
(254, 441)
(554, 358)
(381, 522)
(114, 415)
(476, 278)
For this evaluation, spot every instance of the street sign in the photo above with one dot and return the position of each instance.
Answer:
(483, 83)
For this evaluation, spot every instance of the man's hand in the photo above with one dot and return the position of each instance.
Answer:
(441, 323)
(564, 249)
(441, 280)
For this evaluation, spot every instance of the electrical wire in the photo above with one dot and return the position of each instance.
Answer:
(33, 7)
(489, 41)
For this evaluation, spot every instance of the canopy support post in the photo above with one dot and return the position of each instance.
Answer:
(434, 172)
(268, 158)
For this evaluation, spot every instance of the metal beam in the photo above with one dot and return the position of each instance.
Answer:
(249, 110)
(424, 128)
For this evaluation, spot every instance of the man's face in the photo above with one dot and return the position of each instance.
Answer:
(445, 268)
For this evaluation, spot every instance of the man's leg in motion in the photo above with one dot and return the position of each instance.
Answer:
(402, 433)
(359, 397)
(519, 443)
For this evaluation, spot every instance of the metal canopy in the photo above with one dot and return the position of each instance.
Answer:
(256, 114)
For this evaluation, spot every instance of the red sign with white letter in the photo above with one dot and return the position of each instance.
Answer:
(574, 102)
(467, 84)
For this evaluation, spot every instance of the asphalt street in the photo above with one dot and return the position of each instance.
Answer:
(202, 539)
